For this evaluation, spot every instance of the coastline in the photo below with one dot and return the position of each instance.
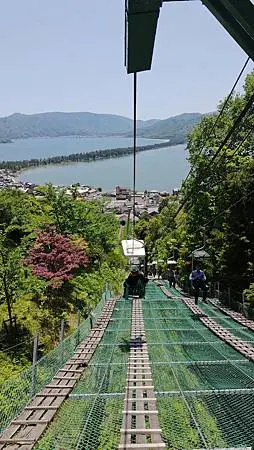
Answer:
(20, 166)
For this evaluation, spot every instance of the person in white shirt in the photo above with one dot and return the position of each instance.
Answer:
(198, 279)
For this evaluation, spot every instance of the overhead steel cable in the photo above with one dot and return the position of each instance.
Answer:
(244, 139)
(221, 112)
(229, 207)
(134, 144)
(234, 127)
(134, 154)
(248, 105)
(240, 144)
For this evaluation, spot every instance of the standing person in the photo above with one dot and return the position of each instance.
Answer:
(177, 276)
(154, 270)
(171, 277)
(198, 279)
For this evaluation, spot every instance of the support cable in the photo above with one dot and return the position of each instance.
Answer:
(134, 155)
(245, 110)
(229, 207)
(244, 139)
(221, 113)
(235, 125)
(134, 144)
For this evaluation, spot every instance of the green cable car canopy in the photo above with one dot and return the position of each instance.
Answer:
(141, 17)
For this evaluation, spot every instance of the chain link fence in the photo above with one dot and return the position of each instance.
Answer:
(225, 296)
(18, 390)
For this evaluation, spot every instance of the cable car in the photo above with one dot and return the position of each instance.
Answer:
(134, 250)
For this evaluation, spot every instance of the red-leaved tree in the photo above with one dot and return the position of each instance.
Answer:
(55, 258)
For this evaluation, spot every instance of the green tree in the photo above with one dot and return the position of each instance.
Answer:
(10, 274)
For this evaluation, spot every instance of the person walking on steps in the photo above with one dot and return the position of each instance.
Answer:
(171, 277)
(198, 280)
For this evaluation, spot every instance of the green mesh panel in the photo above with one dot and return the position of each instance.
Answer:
(95, 422)
(189, 363)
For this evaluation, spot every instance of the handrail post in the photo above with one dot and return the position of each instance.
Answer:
(61, 338)
(105, 292)
(78, 327)
(91, 320)
(35, 355)
(62, 331)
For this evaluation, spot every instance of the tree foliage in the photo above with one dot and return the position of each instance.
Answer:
(56, 254)
(55, 258)
(218, 199)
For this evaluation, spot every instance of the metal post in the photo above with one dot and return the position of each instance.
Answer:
(62, 331)
(218, 290)
(61, 338)
(91, 320)
(105, 292)
(107, 289)
(128, 223)
(120, 232)
(243, 298)
(78, 327)
(35, 354)
(229, 297)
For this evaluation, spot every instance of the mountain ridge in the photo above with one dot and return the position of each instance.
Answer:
(54, 124)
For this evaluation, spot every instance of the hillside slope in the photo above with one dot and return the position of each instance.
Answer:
(174, 128)
(55, 124)
(62, 124)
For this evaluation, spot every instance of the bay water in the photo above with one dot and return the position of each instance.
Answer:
(160, 169)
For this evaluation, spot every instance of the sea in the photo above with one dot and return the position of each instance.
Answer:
(160, 169)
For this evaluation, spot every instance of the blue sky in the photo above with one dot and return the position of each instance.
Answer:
(63, 55)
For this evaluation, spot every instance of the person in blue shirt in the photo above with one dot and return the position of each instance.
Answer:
(198, 280)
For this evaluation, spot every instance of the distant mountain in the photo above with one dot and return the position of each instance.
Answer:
(174, 128)
(55, 124)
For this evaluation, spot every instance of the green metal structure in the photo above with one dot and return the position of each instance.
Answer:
(141, 18)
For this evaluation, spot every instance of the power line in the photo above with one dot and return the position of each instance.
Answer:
(229, 207)
(221, 112)
(238, 120)
(249, 132)
(248, 105)
(244, 139)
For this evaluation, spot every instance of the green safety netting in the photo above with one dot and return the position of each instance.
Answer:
(97, 399)
(18, 390)
(204, 388)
